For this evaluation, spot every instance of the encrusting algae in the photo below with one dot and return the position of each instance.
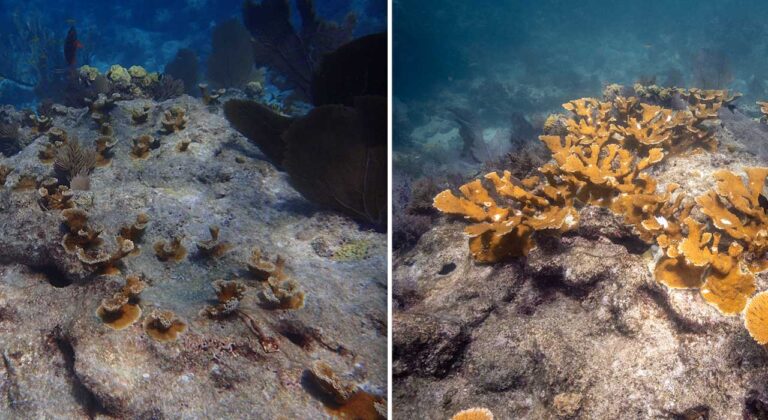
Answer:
(601, 158)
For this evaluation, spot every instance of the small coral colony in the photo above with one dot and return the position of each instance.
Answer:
(601, 154)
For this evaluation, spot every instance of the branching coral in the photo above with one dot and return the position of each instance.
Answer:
(229, 294)
(104, 145)
(213, 248)
(164, 326)
(122, 309)
(174, 120)
(261, 267)
(140, 115)
(601, 158)
(83, 239)
(284, 292)
(210, 98)
(136, 230)
(170, 251)
(54, 196)
(142, 145)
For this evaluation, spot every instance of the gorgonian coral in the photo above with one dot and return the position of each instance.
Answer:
(601, 158)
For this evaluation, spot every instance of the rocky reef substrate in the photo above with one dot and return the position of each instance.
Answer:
(579, 328)
(61, 360)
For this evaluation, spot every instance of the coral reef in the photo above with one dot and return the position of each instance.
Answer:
(164, 326)
(253, 359)
(603, 160)
(645, 222)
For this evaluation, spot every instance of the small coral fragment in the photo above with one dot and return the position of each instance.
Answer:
(170, 251)
(208, 97)
(473, 414)
(183, 145)
(54, 196)
(288, 292)
(260, 266)
(330, 384)
(4, 172)
(213, 248)
(229, 294)
(122, 309)
(164, 326)
(104, 145)
(140, 115)
(174, 120)
(756, 317)
(142, 145)
(135, 231)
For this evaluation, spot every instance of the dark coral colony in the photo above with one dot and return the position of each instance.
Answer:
(202, 238)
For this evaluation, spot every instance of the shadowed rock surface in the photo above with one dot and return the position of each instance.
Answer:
(577, 329)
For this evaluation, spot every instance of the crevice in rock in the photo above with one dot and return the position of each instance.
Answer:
(82, 394)
(12, 392)
(549, 283)
(681, 324)
(447, 269)
(55, 277)
(633, 245)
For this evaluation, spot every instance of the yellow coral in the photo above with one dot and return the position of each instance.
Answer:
(137, 72)
(602, 159)
(88, 72)
(119, 74)
(476, 413)
(756, 318)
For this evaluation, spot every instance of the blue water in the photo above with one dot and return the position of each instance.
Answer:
(532, 56)
(147, 33)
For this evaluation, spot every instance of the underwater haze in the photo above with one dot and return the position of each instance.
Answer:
(193, 198)
(535, 55)
(131, 32)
